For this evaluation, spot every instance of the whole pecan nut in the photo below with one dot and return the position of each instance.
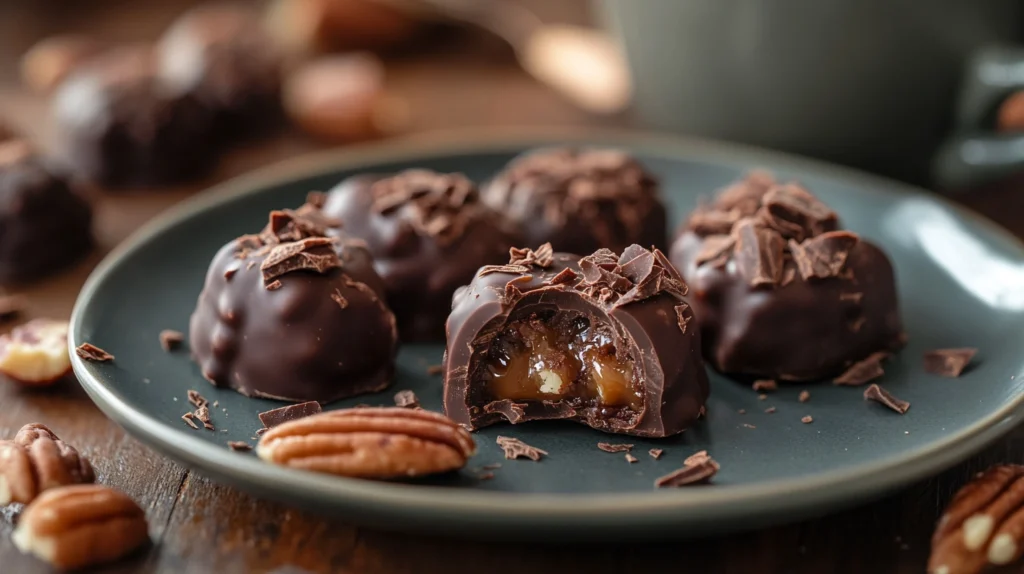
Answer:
(81, 525)
(36, 460)
(983, 524)
(377, 443)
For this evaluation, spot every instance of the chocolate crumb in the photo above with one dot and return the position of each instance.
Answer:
(485, 476)
(863, 371)
(216, 404)
(807, 420)
(515, 448)
(762, 397)
(614, 447)
(272, 418)
(749, 426)
(770, 410)
(259, 432)
(203, 414)
(492, 466)
(804, 396)
(274, 285)
(239, 445)
(880, 395)
(630, 458)
(196, 399)
(655, 453)
(948, 362)
(697, 469)
(339, 298)
(171, 339)
(765, 385)
(434, 370)
(742, 411)
(11, 307)
(406, 399)
(91, 352)
(187, 417)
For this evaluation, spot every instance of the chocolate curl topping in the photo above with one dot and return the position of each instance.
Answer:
(543, 257)
(434, 203)
(797, 214)
(636, 275)
(311, 254)
(823, 256)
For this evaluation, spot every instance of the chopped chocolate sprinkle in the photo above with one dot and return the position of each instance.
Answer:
(715, 250)
(171, 339)
(511, 269)
(239, 445)
(698, 468)
(681, 319)
(614, 447)
(863, 371)
(309, 254)
(770, 410)
(880, 395)
(948, 362)
(406, 399)
(765, 385)
(196, 399)
(515, 448)
(655, 453)
(807, 420)
(91, 352)
(11, 307)
(272, 418)
(543, 257)
(823, 256)
(339, 298)
(432, 203)
(564, 276)
(758, 253)
(434, 370)
(804, 396)
(274, 285)
(749, 426)
(203, 414)
(630, 458)
(187, 417)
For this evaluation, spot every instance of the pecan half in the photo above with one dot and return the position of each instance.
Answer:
(82, 525)
(36, 460)
(369, 442)
(36, 353)
(983, 524)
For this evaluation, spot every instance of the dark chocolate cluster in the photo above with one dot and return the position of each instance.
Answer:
(428, 233)
(605, 340)
(295, 313)
(779, 290)
(580, 200)
(45, 224)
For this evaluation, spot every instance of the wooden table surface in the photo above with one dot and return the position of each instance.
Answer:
(199, 526)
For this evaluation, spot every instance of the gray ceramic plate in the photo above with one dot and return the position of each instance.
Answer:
(961, 282)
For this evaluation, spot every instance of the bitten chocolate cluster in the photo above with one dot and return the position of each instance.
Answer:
(606, 340)
(779, 290)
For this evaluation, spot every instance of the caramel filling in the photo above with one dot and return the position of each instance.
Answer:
(559, 356)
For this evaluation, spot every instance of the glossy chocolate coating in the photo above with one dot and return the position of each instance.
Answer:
(296, 342)
(798, 329)
(45, 224)
(422, 269)
(121, 125)
(651, 331)
(580, 200)
(221, 54)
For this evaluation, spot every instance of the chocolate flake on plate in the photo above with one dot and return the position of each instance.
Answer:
(187, 417)
(171, 339)
(880, 395)
(91, 352)
(749, 426)
(203, 414)
(770, 410)
(804, 396)
(807, 420)
(765, 385)
(742, 411)
(492, 466)
(515, 448)
(614, 447)
(485, 476)
(697, 469)
(863, 371)
(11, 307)
(434, 370)
(196, 399)
(762, 397)
(239, 445)
(948, 362)
(406, 399)
(274, 417)
(655, 453)
(630, 458)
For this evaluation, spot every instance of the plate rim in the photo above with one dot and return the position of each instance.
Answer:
(461, 507)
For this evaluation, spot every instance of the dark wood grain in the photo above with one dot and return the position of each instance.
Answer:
(200, 526)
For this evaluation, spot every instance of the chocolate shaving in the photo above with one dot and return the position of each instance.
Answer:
(770, 410)
(681, 319)
(698, 468)
(259, 432)
(543, 257)
(434, 370)
(310, 254)
(630, 458)
(491, 466)
(339, 298)
(948, 362)
(203, 414)
(749, 426)
(239, 445)
(187, 417)
(485, 476)
(515, 448)
(196, 399)
(11, 307)
(715, 249)
(823, 256)
(170, 339)
(765, 385)
(432, 203)
(808, 419)
(863, 371)
(511, 269)
(880, 395)
(274, 285)
(804, 396)
(566, 275)
(762, 397)
(655, 453)
(709, 222)
(91, 352)
(758, 253)
(272, 418)
(406, 399)
(796, 213)
(614, 447)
